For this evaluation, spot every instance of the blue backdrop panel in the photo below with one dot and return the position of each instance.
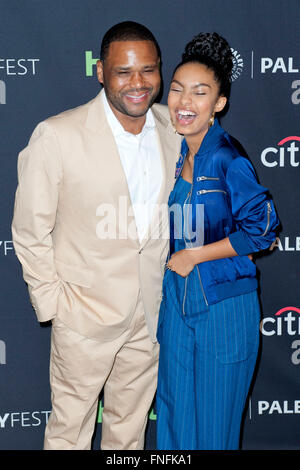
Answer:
(47, 64)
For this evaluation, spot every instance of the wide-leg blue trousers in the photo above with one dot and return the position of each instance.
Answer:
(207, 359)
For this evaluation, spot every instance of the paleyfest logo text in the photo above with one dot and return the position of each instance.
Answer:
(15, 67)
(238, 64)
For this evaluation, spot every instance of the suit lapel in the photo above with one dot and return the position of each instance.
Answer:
(105, 143)
(169, 150)
(169, 147)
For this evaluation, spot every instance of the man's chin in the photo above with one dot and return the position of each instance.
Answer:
(137, 111)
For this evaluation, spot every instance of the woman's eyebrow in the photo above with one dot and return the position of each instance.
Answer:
(194, 86)
(201, 84)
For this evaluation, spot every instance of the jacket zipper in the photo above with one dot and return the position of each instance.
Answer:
(200, 280)
(269, 210)
(204, 191)
(186, 279)
(210, 178)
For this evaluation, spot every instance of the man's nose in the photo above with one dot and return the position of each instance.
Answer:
(137, 80)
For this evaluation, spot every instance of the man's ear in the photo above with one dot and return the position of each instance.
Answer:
(100, 71)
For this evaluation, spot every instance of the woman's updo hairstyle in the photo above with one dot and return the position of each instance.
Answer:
(211, 50)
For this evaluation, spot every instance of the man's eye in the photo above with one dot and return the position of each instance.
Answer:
(175, 89)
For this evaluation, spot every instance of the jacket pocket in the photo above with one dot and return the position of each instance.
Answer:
(80, 276)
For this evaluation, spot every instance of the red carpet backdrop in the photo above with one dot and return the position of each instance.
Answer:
(48, 51)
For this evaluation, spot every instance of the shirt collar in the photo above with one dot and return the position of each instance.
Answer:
(116, 126)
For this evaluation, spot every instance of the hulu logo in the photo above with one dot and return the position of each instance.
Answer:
(2, 352)
(2, 92)
(89, 64)
(152, 415)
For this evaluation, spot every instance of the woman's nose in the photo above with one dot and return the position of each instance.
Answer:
(185, 98)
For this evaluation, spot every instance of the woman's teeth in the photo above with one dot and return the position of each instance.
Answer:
(184, 115)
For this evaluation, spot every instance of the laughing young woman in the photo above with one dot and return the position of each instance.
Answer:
(209, 317)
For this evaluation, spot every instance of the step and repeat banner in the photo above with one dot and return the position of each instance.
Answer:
(48, 52)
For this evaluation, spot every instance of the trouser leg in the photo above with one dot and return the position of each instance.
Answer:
(225, 358)
(130, 389)
(221, 391)
(79, 367)
(205, 373)
(175, 401)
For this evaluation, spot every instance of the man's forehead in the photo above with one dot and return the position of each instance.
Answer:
(141, 48)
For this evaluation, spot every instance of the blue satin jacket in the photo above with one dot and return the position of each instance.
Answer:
(226, 200)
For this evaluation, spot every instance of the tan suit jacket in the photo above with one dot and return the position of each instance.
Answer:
(71, 183)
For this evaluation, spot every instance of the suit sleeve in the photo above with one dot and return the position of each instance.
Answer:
(39, 179)
(252, 208)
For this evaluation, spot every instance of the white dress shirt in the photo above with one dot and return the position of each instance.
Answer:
(141, 161)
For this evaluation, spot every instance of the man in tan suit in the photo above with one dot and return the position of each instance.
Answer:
(92, 241)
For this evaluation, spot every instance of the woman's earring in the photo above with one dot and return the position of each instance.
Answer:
(211, 121)
(174, 128)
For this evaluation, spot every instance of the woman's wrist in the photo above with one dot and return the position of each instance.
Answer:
(195, 254)
(212, 251)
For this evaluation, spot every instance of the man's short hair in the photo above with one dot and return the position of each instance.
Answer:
(126, 31)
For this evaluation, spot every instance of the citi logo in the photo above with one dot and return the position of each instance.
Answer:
(285, 321)
(283, 155)
(2, 352)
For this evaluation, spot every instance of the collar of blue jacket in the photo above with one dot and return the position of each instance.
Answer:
(209, 142)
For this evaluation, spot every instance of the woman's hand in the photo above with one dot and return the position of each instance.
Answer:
(182, 262)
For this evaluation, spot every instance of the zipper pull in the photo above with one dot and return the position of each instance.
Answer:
(210, 178)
